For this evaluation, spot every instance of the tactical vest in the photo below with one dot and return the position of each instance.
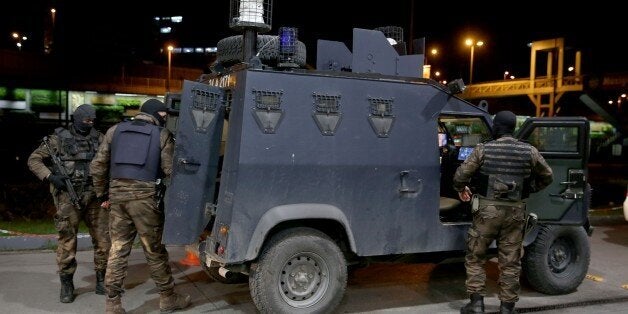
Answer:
(506, 170)
(135, 151)
(76, 152)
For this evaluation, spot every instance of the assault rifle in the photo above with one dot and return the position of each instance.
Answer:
(58, 168)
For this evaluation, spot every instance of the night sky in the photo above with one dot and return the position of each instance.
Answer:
(124, 29)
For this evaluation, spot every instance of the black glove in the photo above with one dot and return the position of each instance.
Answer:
(58, 181)
(102, 198)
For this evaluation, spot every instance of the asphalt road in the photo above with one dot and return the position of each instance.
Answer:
(29, 284)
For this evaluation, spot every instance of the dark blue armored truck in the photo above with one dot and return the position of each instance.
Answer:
(350, 163)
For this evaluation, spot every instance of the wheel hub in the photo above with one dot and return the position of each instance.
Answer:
(559, 256)
(304, 279)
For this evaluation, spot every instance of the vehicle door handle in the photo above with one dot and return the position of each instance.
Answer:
(561, 195)
(188, 162)
(189, 165)
(568, 195)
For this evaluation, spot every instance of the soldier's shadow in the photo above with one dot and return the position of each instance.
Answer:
(616, 234)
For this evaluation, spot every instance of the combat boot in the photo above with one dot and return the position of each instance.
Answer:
(507, 308)
(114, 305)
(476, 306)
(100, 282)
(169, 301)
(67, 288)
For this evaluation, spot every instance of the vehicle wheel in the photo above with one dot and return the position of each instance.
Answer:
(232, 278)
(300, 270)
(229, 50)
(558, 260)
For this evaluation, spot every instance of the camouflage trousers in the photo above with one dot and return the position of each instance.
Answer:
(126, 220)
(504, 224)
(67, 219)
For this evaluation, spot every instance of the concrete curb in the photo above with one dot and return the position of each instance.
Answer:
(40, 242)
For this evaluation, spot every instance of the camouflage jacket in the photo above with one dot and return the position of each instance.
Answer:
(127, 189)
(75, 153)
(541, 172)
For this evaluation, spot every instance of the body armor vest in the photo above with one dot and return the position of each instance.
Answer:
(506, 170)
(76, 152)
(136, 151)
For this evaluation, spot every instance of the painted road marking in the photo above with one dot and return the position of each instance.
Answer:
(594, 278)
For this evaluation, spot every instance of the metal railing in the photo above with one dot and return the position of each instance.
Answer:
(523, 87)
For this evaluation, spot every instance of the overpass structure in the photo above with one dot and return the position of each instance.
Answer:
(546, 89)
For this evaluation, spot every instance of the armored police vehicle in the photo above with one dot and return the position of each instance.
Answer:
(349, 163)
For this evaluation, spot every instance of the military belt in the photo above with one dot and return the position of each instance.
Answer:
(493, 202)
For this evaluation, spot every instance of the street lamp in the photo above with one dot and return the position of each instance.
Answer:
(19, 39)
(472, 43)
(170, 48)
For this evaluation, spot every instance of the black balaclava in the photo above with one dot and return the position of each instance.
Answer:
(504, 123)
(152, 107)
(82, 112)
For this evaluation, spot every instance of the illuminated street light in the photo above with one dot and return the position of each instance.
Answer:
(427, 65)
(170, 48)
(472, 43)
(53, 13)
(506, 74)
(19, 39)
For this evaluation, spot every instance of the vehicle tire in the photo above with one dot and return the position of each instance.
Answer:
(232, 278)
(301, 270)
(558, 260)
(229, 50)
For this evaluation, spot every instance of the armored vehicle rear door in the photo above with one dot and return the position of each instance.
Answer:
(189, 199)
(563, 142)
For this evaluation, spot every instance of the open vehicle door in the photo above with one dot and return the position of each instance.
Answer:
(189, 198)
(173, 102)
(563, 142)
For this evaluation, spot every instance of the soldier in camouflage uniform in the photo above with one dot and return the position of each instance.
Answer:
(509, 171)
(75, 147)
(133, 156)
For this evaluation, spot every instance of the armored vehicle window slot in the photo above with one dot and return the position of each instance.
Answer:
(381, 115)
(327, 113)
(203, 110)
(267, 111)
